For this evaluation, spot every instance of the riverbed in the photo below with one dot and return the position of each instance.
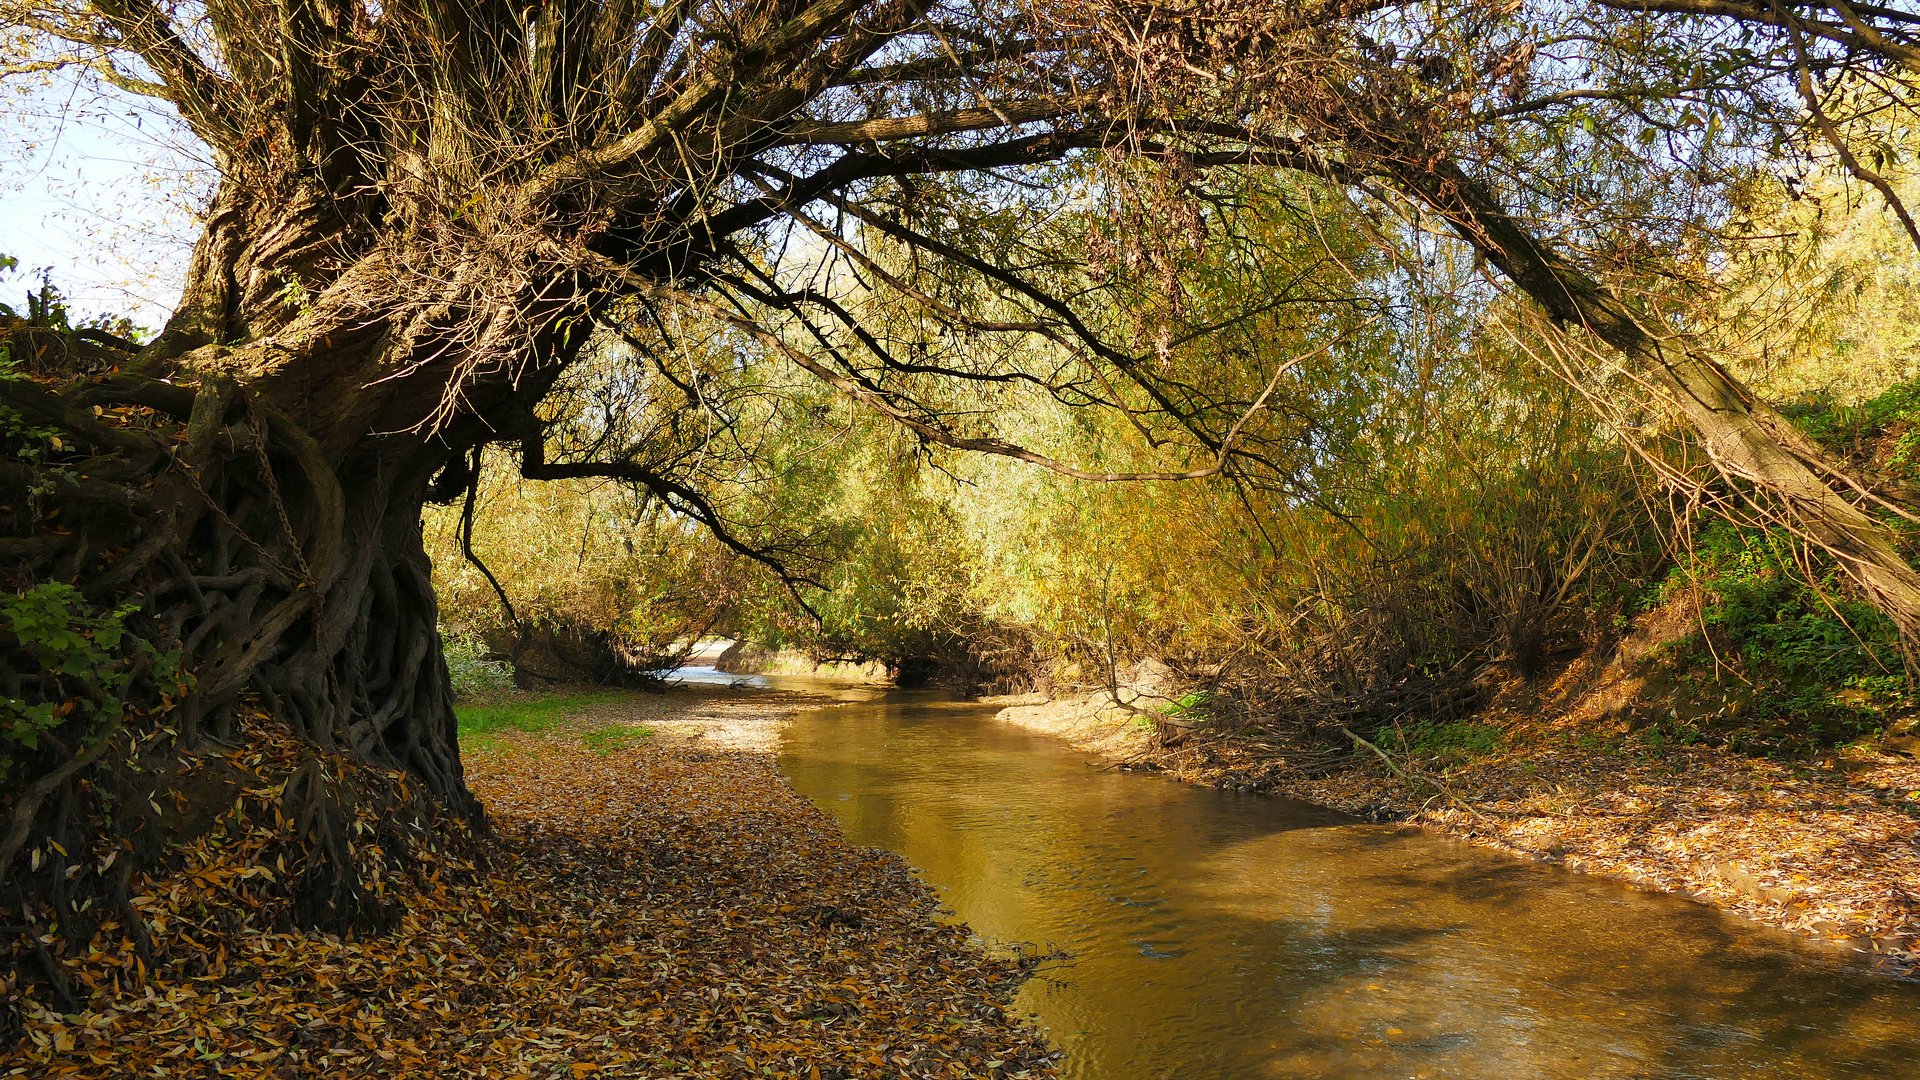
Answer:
(1214, 934)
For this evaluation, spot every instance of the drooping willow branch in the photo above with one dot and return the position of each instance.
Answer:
(678, 495)
(466, 544)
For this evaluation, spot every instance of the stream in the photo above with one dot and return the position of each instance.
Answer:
(1214, 934)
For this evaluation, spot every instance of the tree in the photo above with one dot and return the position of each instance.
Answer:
(1563, 144)
(429, 211)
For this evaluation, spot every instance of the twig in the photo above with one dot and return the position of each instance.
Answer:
(1415, 774)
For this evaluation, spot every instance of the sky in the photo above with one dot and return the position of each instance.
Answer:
(102, 193)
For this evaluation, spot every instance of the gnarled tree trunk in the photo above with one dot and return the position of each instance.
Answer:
(253, 511)
(424, 209)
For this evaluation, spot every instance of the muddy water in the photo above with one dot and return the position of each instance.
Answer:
(1223, 935)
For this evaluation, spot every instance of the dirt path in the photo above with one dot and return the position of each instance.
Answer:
(1833, 853)
(656, 902)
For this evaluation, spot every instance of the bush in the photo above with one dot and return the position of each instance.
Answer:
(1782, 623)
(89, 670)
(1818, 667)
(474, 676)
(1883, 431)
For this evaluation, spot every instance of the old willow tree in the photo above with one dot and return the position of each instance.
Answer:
(429, 211)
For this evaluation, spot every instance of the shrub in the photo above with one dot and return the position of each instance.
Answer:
(1819, 667)
(89, 670)
(1782, 622)
(474, 676)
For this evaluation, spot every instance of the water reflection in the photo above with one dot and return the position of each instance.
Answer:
(1220, 935)
(708, 675)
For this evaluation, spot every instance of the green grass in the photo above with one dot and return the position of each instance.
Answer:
(1192, 706)
(1455, 741)
(481, 725)
(614, 737)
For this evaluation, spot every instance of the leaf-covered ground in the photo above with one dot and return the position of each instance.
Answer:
(658, 904)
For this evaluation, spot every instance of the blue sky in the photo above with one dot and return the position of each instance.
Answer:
(100, 191)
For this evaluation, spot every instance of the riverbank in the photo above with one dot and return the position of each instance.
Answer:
(655, 901)
(1830, 850)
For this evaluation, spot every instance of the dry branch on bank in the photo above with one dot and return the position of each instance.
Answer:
(651, 907)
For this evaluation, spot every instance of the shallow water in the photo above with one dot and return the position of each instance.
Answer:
(1222, 935)
(708, 675)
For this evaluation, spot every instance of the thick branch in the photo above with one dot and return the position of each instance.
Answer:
(200, 95)
(890, 128)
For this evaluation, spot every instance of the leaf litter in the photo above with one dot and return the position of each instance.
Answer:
(647, 907)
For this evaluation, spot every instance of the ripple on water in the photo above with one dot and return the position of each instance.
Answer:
(1222, 935)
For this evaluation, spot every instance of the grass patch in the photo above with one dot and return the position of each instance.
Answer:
(1192, 706)
(1453, 742)
(482, 724)
(606, 740)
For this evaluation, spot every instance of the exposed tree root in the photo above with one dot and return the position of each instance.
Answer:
(205, 562)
